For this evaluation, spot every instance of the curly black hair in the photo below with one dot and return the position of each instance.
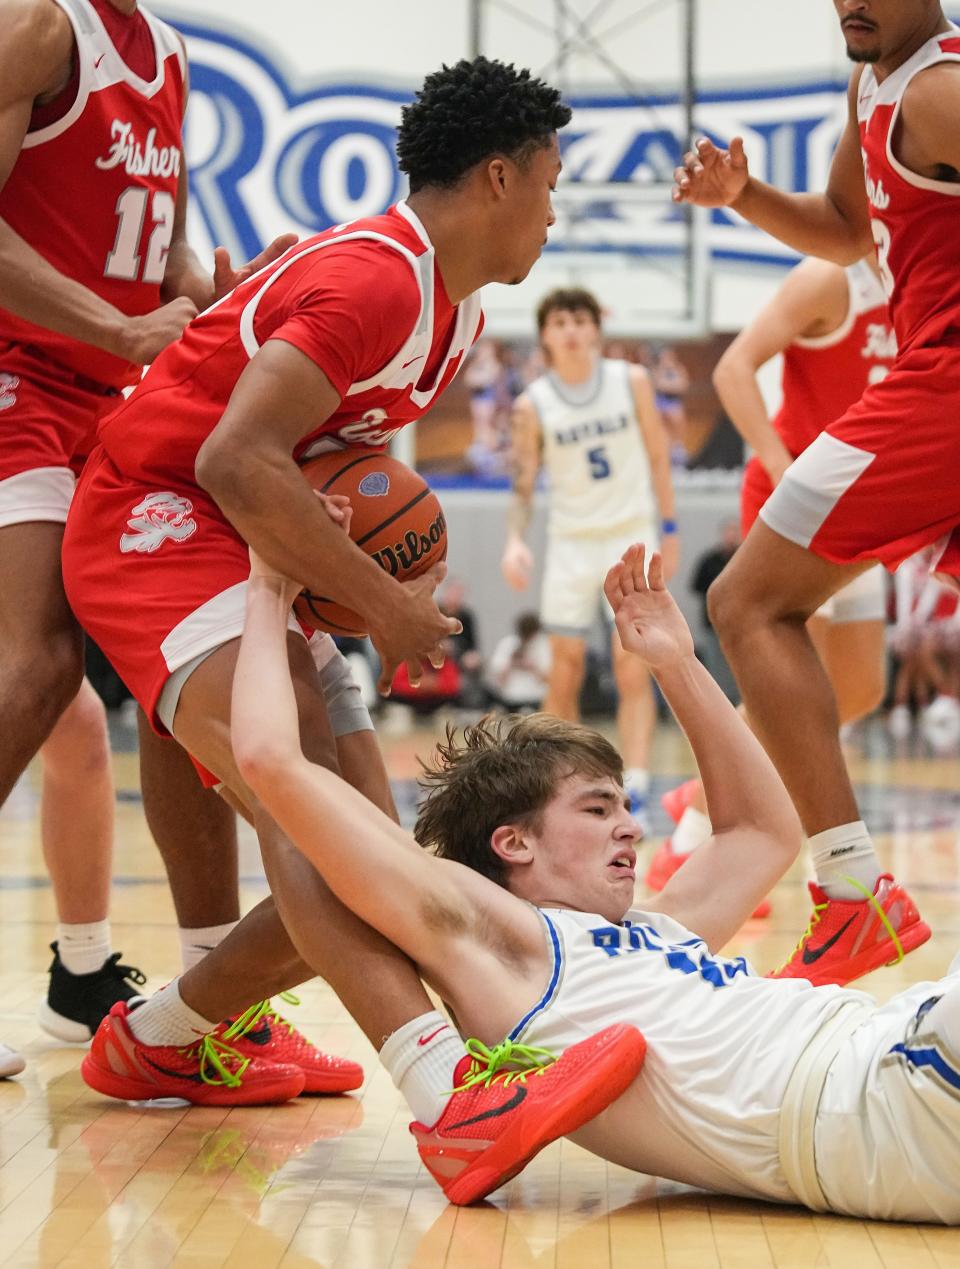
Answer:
(472, 111)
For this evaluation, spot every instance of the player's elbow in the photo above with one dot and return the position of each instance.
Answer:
(730, 370)
(221, 470)
(265, 763)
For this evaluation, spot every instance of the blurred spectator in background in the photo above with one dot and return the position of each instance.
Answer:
(520, 666)
(464, 649)
(925, 641)
(481, 375)
(671, 383)
(705, 569)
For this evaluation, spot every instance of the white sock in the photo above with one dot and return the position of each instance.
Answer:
(84, 948)
(841, 852)
(196, 941)
(421, 1058)
(637, 780)
(693, 829)
(944, 1019)
(165, 1019)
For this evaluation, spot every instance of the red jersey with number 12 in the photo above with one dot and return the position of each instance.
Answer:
(914, 218)
(823, 376)
(94, 191)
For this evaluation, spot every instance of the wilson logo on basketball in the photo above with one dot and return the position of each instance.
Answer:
(158, 518)
(403, 555)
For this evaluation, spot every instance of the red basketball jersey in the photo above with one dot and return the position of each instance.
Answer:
(94, 191)
(914, 218)
(823, 377)
(364, 301)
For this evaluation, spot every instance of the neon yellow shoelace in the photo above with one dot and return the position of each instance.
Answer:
(214, 1054)
(822, 907)
(487, 1065)
(248, 1020)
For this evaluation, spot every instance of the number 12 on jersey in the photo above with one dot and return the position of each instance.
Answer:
(599, 462)
(124, 260)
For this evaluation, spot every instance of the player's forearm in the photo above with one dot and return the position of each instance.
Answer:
(264, 724)
(519, 514)
(810, 223)
(662, 480)
(185, 275)
(31, 288)
(740, 782)
(741, 398)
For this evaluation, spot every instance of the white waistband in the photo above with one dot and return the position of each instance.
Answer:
(801, 1099)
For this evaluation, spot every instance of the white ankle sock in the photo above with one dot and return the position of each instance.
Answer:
(944, 1019)
(165, 1019)
(841, 852)
(196, 941)
(693, 829)
(421, 1058)
(84, 948)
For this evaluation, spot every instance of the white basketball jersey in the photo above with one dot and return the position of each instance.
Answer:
(722, 1043)
(593, 451)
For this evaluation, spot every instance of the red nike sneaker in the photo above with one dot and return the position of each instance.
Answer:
(848, 938)
(511, 1101)
(665, 863)
(207, 1073)
(261, 1032)
(675, 801)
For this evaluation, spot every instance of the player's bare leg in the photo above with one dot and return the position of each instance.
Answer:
(759, 606)
(853, 654)
(567, 656)
(636, 719)
(41, 672)
(78, 807)
(196, 833)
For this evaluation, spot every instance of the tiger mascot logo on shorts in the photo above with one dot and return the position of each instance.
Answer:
(157, 518)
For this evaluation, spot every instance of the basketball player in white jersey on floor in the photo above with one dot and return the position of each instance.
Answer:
(592, 423)
(832, 328)
(768, 1089)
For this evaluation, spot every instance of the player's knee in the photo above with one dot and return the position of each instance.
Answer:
(79, 742)
(722, 605)
(46, 677)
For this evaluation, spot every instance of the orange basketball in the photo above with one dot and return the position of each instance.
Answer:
(396, 519)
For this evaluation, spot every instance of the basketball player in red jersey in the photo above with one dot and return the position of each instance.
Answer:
(350, 336)
(96, 276)
(880, 482)
(832, 327)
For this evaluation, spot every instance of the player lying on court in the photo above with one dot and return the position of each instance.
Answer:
(521, 918)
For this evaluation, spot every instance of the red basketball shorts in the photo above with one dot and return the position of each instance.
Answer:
(754, 492)
(881, 482)
(48, 425)
(156, 575)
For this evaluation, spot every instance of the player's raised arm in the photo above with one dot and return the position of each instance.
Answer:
(525, 458)
(434, 909)
(658, 453)
(756, 833)
(812, 299)
(834, 225)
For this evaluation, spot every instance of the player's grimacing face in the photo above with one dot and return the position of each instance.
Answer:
(585, 849)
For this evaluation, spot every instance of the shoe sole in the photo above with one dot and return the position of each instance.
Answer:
(610, 1075)
(129, 1090)
(328, 1085)
(66, 1029)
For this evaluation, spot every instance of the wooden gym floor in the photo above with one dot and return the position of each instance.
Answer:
(87, 1182)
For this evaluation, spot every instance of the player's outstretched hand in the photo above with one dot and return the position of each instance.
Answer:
(413, 630)
(517, 563)
(709, 176)
(226, 277)
(144, 337)
(649, 623)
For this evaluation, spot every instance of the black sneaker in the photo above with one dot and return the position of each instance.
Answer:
(76, 1004)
